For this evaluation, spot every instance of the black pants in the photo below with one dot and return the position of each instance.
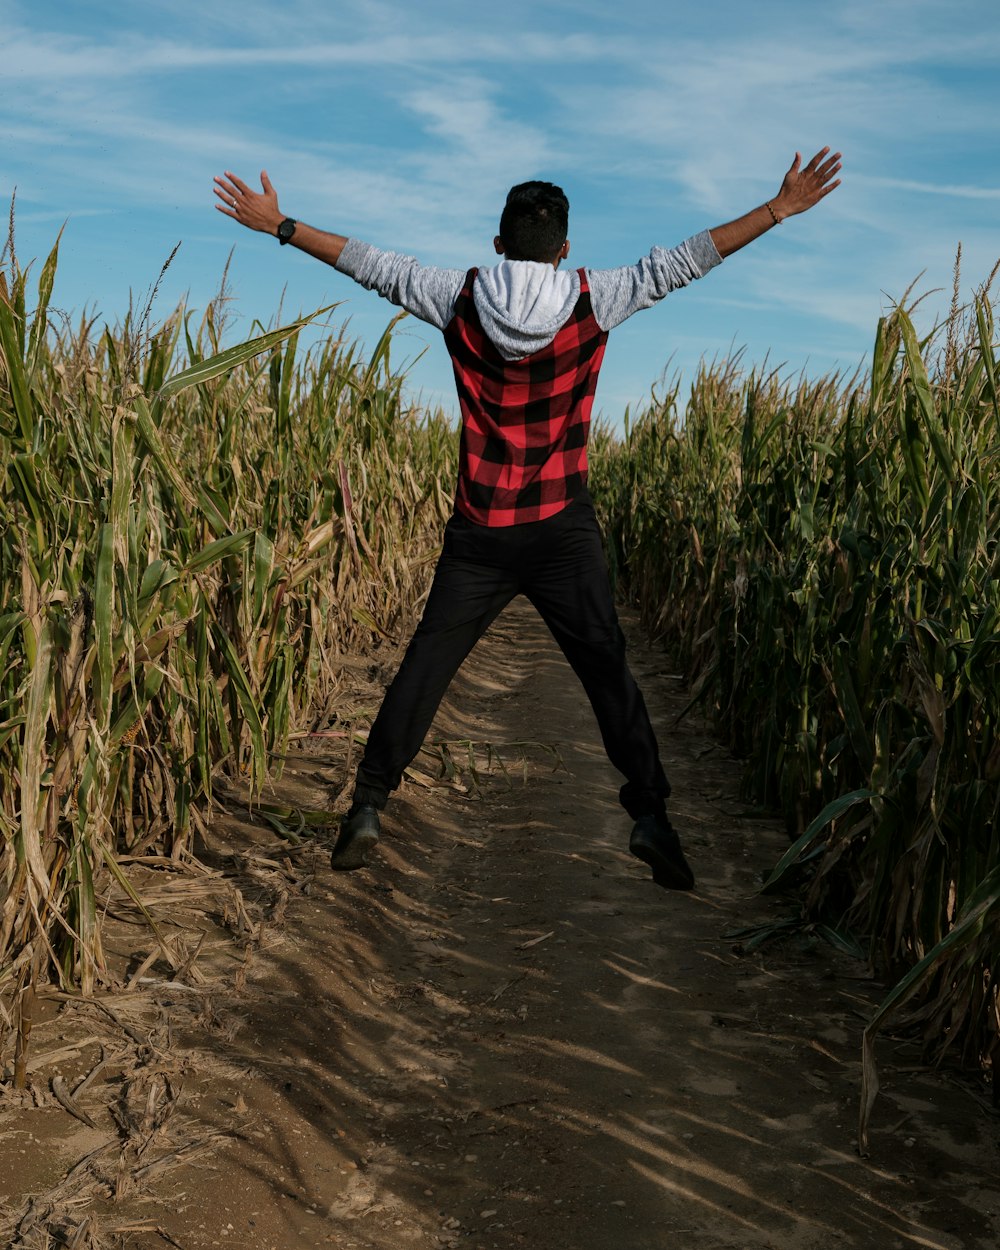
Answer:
(559, 565)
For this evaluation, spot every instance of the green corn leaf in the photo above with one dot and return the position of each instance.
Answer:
(379, 358)
(984, 325)
(263, 565)
(28, 844)
(912, 446)
(152, 680)
(209, 505)
(148, 431)
(104, 624)
(29, 487)
(981, 906)
(122, 480)
(39, 324)
(833, 811)
(219, 549)
(844, 666)
(9, 728)
(87, 932)
(11, 332)
(225, 362)
(10, 623)
(157, 576)
(925, 397)
(247, 701)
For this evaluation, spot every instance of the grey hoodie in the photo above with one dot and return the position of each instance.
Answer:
(523, 303)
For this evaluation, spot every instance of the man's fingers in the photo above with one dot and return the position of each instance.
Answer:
(239, 184)
(822, 192)
(829, 167)
(227, 198)
(823, 170)
(817, 158)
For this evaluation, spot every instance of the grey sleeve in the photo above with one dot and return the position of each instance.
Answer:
(618, 293)
(426, 292)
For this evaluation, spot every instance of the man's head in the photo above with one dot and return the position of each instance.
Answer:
(533, 223)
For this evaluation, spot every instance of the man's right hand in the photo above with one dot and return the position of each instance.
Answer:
(254, 209)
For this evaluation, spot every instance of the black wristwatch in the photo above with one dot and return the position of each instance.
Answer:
(286, 230)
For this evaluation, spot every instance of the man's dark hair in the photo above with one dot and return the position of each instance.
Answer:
(534, 221)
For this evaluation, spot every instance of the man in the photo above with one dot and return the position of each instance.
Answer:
(526, 342)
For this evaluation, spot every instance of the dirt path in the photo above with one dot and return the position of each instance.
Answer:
(506, 1036)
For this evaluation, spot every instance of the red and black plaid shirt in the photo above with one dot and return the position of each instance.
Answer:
(523, 452)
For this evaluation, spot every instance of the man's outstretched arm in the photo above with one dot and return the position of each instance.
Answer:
(800, 190)
(618, 293)
(427, 292)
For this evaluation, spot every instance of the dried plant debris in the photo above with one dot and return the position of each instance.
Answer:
(127, 1049)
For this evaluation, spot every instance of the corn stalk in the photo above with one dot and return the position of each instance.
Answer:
(192, 536)
(822, 555)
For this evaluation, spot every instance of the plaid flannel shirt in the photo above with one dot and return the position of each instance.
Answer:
(525, 422)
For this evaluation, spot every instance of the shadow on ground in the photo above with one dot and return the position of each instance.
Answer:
(504, 1035)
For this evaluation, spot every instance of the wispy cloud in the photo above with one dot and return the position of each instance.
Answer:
(953, 190)
(42, 56)
(405, 124)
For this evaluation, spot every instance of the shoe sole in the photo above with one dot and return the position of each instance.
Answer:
(354, 854)
(667, 873)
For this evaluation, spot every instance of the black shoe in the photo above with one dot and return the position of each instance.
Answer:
(656, 843)
(359, 832)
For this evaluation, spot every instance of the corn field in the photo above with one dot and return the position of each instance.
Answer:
(824, 556)
(192, 537)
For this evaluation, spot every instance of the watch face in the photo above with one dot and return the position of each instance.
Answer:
(286, 230)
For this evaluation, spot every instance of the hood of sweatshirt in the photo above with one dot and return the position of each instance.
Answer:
(522, 304)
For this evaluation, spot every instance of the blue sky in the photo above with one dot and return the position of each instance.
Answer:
(404, 125)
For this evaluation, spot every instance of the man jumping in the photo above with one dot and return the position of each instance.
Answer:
(526, 340)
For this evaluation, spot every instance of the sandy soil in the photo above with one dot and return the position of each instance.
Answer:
(503, 1035)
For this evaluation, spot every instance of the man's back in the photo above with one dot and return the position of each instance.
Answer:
(524, 420)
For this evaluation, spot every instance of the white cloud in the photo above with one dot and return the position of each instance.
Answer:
(957, 191)
(406, 124)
